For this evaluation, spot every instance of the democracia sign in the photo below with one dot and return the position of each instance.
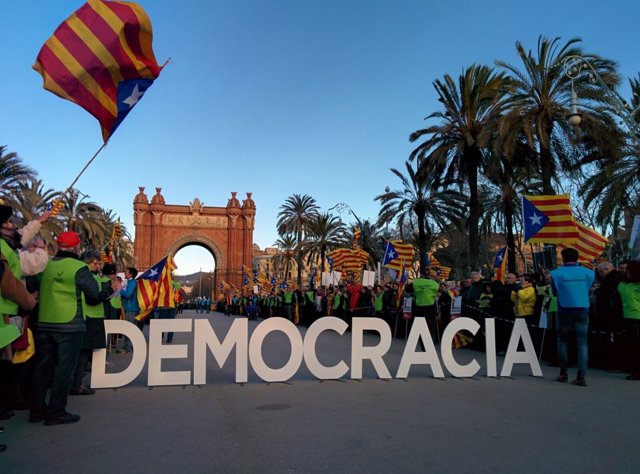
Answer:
(248, 350)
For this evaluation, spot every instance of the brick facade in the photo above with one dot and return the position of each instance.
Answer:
(163, 229)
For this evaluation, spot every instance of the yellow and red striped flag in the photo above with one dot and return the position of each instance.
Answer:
(101, 58)
(348, 259)
(396, 253)
(155, 288)
(590, 244)
(548, 220)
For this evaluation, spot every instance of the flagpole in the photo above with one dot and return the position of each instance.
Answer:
(55, 211)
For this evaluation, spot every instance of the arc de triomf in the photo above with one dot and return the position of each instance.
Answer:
(163, 229)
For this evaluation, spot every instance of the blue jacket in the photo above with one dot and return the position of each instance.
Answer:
(130, 297)
(571, 284)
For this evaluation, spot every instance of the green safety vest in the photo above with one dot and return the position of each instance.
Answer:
(378, 303)
(58, 303)
(311, 296)
(116, 302)
(426, 291)
(288, 297)
(13, 261)
(630, 296)
(95, 311)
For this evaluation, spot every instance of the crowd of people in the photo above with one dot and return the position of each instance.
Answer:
(54, 307)
(601, 308)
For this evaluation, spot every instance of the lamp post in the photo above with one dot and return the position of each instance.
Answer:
(575, 65)
(342, 207)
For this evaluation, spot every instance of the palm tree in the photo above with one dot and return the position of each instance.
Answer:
(325, 232)
(454, 149)
(119, 246)
(432, 207)
(539, 99)
(293, 218)
(613, 185)
(84, 217)
(12, 173)
(510, 177)
(283, 260)
(30, 201)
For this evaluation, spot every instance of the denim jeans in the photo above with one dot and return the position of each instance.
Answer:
(167, 313)
(55, 360)
(578, 321)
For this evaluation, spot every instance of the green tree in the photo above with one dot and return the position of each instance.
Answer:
(433, 207)
(293, 218)
(453, 150)
(13, 172)
(282, 261)
(84, 217)
(325, 232)
(30, 201)
(540, 95)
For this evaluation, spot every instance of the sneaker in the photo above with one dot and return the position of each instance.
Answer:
(564, 378)
(579, 382)
(65, 419)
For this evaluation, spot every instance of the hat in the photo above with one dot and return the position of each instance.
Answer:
(5, 212)
(68, 240)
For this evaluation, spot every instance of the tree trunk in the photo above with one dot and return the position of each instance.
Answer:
(471, 158)
(546, 162)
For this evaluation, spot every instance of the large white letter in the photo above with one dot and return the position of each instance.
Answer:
(520, 331)
(410, 356)
(490, 346)
(310, 339)
(100, 379)
(157, 352)
(261, 331)
(450, 363)
(205, 337)
(373, 353)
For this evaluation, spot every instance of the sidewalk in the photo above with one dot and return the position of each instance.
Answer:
(421, 424)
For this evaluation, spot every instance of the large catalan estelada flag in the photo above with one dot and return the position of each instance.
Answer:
(155, 288)
(101, 58)
(548, 220)
(396, 253)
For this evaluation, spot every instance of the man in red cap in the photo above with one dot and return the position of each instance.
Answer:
(61, 327)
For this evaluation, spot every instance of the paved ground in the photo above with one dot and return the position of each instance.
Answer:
(422, 424)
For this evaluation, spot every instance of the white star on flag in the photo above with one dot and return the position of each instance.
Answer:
(391, 255)
(535, 219)
(134, 97)
(152, 273)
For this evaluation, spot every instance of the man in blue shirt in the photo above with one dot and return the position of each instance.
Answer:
(571, 284)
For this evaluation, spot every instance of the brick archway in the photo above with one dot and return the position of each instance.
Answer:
(163, 229)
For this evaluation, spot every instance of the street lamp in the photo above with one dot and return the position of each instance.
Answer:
(342, 207)
(573, 66)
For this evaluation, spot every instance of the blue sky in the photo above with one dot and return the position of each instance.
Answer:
(277, 97)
